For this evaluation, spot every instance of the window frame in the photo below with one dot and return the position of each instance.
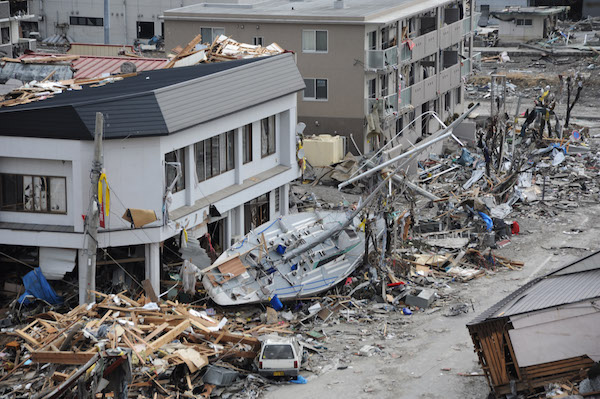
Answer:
(47, 190)
(314, 87)
(177, 187)
(247, 144)
(271, 147)
(217, 156)
(212, 32)
(86, 19)
(315, 43)
(260, 38)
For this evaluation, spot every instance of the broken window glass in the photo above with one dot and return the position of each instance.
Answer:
(58, 194)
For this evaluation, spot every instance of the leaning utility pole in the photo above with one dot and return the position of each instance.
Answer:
(93, 217)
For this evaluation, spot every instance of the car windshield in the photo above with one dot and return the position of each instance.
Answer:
(278, 352)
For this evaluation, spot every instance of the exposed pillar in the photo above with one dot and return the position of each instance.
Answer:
(228, 229)
(152, 254)
(239, 214)
(82, 268)
(284, 207)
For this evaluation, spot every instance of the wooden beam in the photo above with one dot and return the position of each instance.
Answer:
(170, 336)
(62, 357)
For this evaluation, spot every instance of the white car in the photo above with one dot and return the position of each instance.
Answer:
(279, 357)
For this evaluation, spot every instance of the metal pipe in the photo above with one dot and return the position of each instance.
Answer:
(447, 132)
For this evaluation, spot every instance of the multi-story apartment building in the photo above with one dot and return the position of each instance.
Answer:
(15, 25)
(369, 67)
(229, 127)
(83, 21)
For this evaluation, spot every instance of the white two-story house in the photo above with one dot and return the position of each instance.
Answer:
(230, 126)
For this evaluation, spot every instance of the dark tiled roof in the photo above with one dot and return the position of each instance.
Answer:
(130, 106)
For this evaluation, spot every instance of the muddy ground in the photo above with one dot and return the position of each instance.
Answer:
(423, 355)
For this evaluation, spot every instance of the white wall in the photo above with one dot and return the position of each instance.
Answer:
(510, 30)
(284, 146)
(136, 174)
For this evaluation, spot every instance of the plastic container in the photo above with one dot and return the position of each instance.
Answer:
(276, 303)
(219, 376)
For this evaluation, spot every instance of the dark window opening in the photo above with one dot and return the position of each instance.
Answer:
(145, 30)
(86, 21)
(247, 142)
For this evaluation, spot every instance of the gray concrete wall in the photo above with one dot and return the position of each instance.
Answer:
(124, 15)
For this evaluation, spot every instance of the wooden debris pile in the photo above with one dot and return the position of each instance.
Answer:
(169, 345)
(36, 91)
(223, 48)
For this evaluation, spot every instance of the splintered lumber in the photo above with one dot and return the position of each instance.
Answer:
(61, 357)
(170, 336)
(184, 52)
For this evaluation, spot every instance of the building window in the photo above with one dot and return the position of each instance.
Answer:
(267, 136)
(447, 101)
(316, 89)
(86, 21)
(27, 193)
(383, 80)
(399, 125)
(247, 142)
(526, 22)
(258, 41)
(458, 95)
(256, 212)
(145, 30)
(5, 34)
(314, 41)
(215, 155)
(372, 89)
(277, 199)
(210, 34)
(171, 170)
(372, 38)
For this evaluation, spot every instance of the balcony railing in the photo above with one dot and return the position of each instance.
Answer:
(405, 98)
(467, 22)
(466, 67)
(405, 52)
(381, 59)
(385, 104)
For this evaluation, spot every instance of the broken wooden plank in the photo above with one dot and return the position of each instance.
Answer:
(169, 336)
(61, 357)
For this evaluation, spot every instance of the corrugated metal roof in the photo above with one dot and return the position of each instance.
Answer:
(89, 66)
(190, 103)
(575, 282)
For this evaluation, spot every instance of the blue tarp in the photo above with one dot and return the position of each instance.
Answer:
(487, 220)
(37, 285)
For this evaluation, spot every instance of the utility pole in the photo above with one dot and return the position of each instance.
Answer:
(106, 22)
(93, 217)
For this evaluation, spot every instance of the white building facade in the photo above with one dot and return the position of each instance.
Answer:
(237, 158)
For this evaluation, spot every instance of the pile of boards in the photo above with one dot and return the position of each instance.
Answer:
(36, 91)
(223, 48)
(166, 342)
